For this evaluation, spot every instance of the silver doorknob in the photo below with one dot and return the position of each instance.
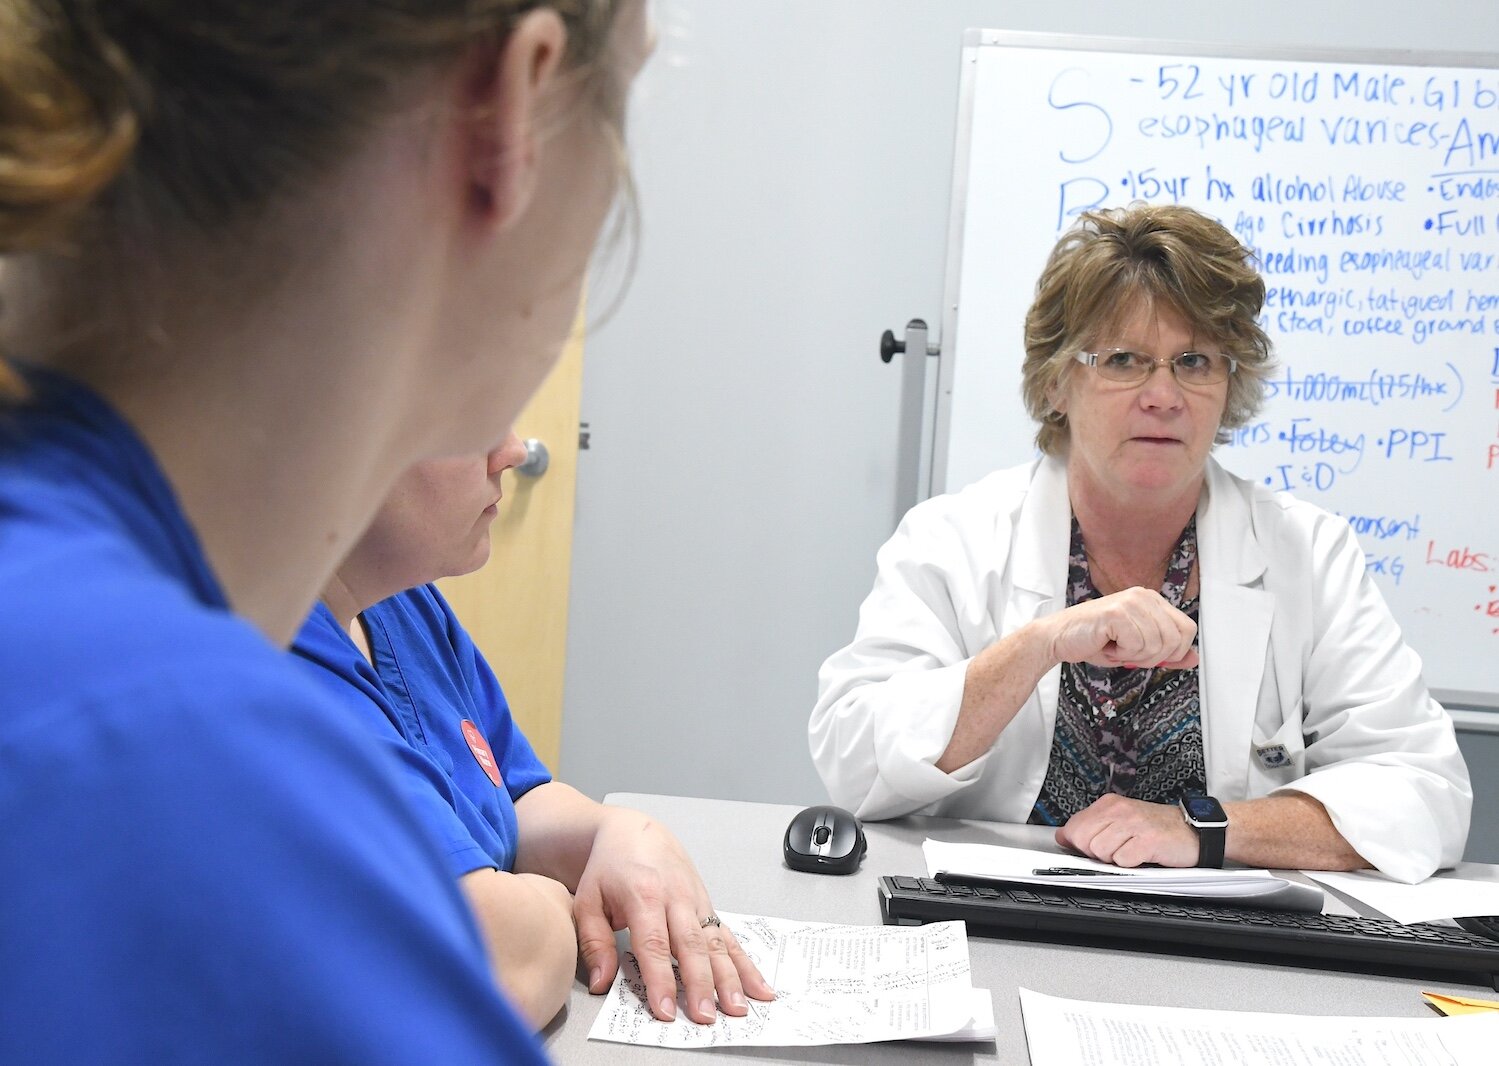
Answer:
(537, 458)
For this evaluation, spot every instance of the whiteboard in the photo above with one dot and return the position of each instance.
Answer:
(1367, 184)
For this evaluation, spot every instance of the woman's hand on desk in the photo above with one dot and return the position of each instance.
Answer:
(1287, 831)
(1128, 832)
(638, 877)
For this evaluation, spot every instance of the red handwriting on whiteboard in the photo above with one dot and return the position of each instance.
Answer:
(1491, 609)
(1463, 558)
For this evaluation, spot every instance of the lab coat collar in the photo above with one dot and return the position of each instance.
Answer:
(1236, 615)
(1044, 532)
(1225, 520)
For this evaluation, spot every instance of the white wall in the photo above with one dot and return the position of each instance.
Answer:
(793, 160)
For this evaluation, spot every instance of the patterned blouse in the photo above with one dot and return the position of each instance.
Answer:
(1134, 732)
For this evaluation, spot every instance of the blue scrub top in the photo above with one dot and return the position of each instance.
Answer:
(201, 856)
(431, 697)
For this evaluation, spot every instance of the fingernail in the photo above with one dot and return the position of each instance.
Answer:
(668, 1008)
(736, 1000)
(594, 977)
(707, 1008)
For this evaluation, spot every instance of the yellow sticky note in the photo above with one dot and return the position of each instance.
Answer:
(1454, 1005)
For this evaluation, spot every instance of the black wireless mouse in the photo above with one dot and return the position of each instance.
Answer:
(824, 840)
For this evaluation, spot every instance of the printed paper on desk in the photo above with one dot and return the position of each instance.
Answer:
(1064, 1032)
(835, 984)
(1470, 888)
(1018, 865)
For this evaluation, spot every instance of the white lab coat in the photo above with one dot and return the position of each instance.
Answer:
(1297, 646)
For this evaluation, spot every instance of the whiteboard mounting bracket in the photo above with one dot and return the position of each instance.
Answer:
(913, 476)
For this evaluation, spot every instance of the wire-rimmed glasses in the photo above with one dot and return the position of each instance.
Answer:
(1127, 367)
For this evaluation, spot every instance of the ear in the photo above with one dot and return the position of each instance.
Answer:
(507, 95)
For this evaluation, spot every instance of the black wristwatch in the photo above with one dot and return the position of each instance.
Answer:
(1205, 815)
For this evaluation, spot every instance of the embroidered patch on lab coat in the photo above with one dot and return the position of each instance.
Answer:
(1273, 756)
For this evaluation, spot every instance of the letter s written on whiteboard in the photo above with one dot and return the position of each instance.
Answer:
(1102, 130)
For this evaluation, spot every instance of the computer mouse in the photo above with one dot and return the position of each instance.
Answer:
(824, 840)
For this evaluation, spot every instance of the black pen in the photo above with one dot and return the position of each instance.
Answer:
(1074, 871)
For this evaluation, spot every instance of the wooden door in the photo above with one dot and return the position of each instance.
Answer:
(515, 608)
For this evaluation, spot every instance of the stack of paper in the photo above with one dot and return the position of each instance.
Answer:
(835, 984)
(1472, 888)
(1023, 866)
(1064, 1032)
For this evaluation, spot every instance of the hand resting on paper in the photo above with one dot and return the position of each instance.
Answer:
(1286, 831)
(638, 876)
(1128, 832)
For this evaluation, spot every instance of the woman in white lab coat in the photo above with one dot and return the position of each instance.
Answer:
(1170, 664)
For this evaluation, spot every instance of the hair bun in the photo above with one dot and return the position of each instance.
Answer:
(66, 125)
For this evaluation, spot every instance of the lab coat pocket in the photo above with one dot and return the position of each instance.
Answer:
(1281, 756)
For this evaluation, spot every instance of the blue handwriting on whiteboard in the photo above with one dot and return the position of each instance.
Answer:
(1375, 389)
(1384, 527)
(1417, 445)
(1393, 565)
(1466, 185)
(1305, 437)
(1102, 134)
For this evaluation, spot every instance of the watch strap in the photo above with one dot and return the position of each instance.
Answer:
(1210, 841)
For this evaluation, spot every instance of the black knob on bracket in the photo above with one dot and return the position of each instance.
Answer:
(890, 347)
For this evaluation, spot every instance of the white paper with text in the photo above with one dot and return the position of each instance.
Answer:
(835, 984)
(1066, 1032)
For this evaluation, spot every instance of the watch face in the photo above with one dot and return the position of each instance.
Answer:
(1204, 810)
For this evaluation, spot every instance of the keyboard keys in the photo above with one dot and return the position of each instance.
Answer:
(1308, 939)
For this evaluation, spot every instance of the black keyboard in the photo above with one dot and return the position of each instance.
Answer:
(1166, 925)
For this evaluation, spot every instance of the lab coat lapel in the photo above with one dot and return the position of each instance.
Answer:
(1039, 574)
(1236, 615)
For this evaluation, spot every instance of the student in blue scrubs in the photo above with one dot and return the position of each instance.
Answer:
(251, 248)
(517, 842)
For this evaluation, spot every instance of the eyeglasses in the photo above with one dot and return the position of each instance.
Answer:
(1132, 368)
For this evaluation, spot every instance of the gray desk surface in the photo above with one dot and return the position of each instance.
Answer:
(737, 848)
